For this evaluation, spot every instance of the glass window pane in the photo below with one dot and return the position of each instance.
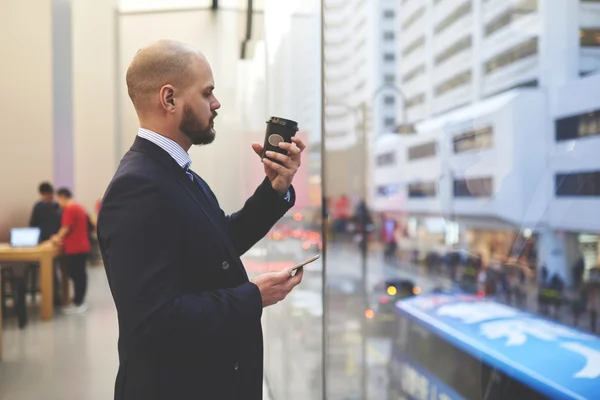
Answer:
(290, 87)
(429, 236)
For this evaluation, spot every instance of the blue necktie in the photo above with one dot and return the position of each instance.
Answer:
(186, 168)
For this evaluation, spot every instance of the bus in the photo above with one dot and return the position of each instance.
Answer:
(449, 346)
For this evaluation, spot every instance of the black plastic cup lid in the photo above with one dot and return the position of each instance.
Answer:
(284, 122)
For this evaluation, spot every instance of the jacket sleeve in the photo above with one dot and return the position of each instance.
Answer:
(140, 238)
(260, 212)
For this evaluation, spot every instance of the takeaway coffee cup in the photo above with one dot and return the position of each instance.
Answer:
(278, 130)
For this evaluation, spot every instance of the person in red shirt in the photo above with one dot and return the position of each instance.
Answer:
(341, 215)
(73, 235)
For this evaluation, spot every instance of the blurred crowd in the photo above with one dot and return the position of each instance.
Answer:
(515, 279)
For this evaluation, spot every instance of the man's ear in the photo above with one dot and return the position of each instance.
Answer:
(167, 98)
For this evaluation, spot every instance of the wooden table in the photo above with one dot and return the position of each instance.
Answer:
(44, 254)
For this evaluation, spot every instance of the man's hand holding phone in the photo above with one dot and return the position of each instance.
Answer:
(275, 286)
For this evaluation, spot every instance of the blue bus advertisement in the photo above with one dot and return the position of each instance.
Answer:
(457, 346)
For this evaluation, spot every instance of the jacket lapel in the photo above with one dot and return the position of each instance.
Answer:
(202, 202)
(214, 216)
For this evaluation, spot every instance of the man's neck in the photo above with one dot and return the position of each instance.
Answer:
(177, 137)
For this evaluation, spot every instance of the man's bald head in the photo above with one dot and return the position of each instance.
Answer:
(172, 88)
(165, 62)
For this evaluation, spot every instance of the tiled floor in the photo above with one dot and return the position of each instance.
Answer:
(71, 358)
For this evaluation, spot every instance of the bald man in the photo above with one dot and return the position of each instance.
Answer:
(189, 318)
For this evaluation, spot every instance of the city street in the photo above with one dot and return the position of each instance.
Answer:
(344, 262)
(293, 328)
(293, 332)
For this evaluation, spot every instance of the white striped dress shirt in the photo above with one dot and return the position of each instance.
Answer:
(168, 145)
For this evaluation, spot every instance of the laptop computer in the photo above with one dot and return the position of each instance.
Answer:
(24, 237)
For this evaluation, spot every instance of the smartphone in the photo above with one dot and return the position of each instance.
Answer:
(296, 267)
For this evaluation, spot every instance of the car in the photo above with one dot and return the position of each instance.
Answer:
(380, 316)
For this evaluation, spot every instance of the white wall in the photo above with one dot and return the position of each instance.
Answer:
(515, 161)
(60, 123)
(578, 214)
(94, 86)
(559, 43)
(218, 37)
(524, 161)
(26, 141)
(589, 15)
(556, 26)
(530, 151)
(389, 175)
(282, 80)
(97, 142)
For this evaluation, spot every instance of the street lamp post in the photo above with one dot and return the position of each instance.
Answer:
(403, 128)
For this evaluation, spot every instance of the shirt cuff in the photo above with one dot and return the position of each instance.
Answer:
(288, 196)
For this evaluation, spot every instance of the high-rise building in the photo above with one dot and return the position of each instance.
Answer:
(384, 91)
(456, 52)
(360, 76)
(505, 98)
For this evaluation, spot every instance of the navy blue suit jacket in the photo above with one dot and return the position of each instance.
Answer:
(189, 319)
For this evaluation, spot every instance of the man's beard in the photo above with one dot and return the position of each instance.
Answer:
(192, 127)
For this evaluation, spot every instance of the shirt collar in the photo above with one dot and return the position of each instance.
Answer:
(171, 147)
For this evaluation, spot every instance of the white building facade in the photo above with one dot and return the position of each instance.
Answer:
(361, 92)
(506, 99)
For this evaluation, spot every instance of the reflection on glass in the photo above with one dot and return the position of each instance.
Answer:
(477, 139)
(448, 346)
(289, 86)
(517, 53)
(462, 259)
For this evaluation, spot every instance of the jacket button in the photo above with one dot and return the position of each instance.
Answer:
(225, 265)
(236, 366)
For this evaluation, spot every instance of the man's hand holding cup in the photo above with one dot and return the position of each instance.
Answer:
(281, 153)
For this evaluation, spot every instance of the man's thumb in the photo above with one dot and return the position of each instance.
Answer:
(285, 274)
(257, 148)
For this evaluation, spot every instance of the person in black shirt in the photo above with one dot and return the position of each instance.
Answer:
(46, 215)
